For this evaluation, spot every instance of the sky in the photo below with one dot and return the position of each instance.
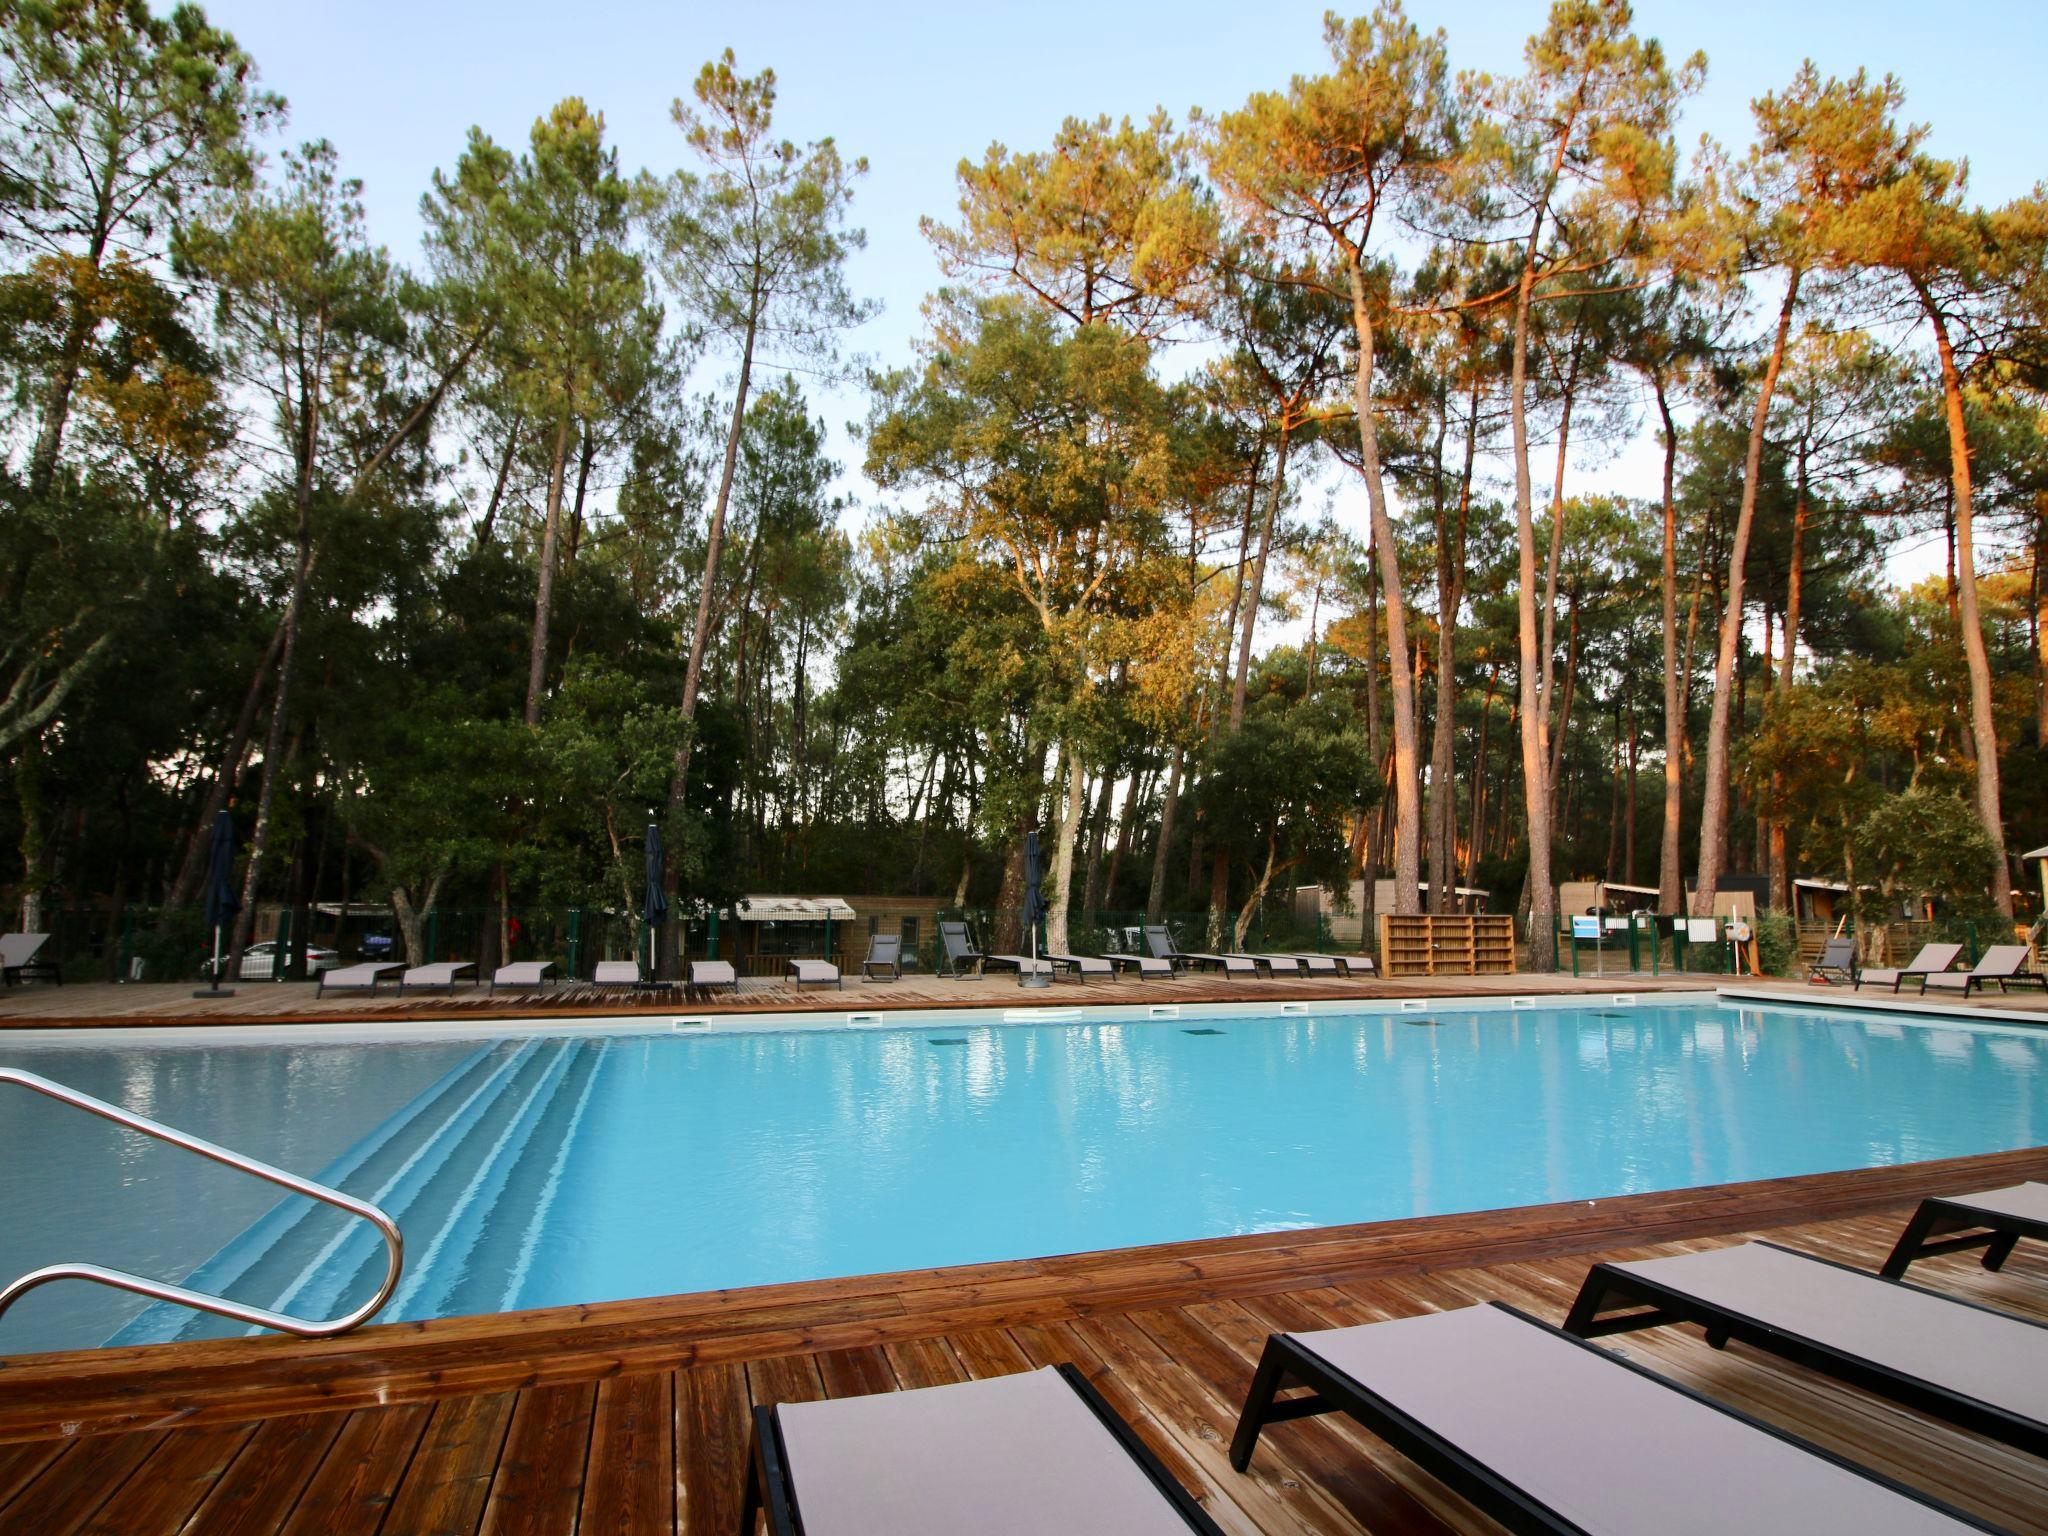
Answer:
(914, 87)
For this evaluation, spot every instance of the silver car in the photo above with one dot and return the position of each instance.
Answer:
(261, 962)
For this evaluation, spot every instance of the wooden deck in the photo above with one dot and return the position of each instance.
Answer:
(109, 1005)
(631, 1417)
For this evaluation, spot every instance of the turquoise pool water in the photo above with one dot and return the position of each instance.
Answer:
(550, 1168)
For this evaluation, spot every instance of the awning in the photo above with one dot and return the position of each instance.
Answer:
(1820, 885)
(1633, 890)
(2038, 853)
(793, 909)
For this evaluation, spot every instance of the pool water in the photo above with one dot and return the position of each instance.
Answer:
(544, 1169)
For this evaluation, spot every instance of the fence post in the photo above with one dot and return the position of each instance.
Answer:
(1973, 940)
(280, 955)
(575, 942)
(433, 945)
(711, 936)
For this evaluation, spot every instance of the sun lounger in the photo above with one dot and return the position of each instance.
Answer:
(442, 973)
(1932, 960)
(1837, 958)
(1313, 965)
(1014, 1455)
(1992, 1219)
(2005, 964)
(1974, 1367)
(1023, 965)
(522, 973)
(1084, 966)
(19, 959)
(708, 976)
(959, 957)
(1160, 942)
(1144, 965)
(1546, 1433)
(616, 973)
(885, 955)
(1357, 965)
(815, 973)
(1292, 965)
(355, 978)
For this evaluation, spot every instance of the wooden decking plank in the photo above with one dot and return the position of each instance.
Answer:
(1277, 1494)
(21, 1465)
(351, 1490)
(260, 1487)
(538, 1486)
(856, 1372)
(76, 1482)
(630, 1484)
(989, 1352)
(448, 1481)
(713, 1440)
(925, 1362)
(1376, 1500)
(160, 1496)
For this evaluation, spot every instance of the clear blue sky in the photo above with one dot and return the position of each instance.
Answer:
(916, 86)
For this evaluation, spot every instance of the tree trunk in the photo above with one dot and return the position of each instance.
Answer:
(1098, 839)
(1480, 781)
(490, 518)
(1983, 729)
(1239, 679)
(302, 570)
(1155, 899)
(193, 867)
(1714, 808)
(544, 595)
(1534, 665)
(1450, 566)
(1670, 873)
(1407, 756)
(700, 632)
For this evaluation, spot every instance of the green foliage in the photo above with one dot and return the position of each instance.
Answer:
(1922, 846)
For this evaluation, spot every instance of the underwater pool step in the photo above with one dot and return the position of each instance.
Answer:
(431, 1196)
(470, 1266)
(310, 1266)
(264, 1255)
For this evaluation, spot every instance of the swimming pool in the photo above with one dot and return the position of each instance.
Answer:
(557, 1165)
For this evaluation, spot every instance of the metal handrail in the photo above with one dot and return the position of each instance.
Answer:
(163, 1290)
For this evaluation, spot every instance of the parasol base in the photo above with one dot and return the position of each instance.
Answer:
(1033, 979)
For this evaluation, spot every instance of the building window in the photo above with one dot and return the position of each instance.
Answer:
(910, 933)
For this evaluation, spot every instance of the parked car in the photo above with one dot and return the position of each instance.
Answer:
(260, 961)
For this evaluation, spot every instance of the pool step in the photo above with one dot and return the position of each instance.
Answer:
(259, 1260)
(433, 1167)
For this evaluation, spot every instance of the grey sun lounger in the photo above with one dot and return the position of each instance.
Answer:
(355, 978)
(19, 959)
(1837, 957)
(1084, 966)
(616, 973)
(1144, 965)
(709, 975)
(522, 973)
(442, 973)
(1992, 1219)
(1294, 965)
(1547, 1433)
(1019, 1455)
(1983, 1370)
(1932, 960)
(814, 973)
(2005, 964)
(1160, 941)
(885, 954)
(1312, 964)
(1021, 964)
(958, 954)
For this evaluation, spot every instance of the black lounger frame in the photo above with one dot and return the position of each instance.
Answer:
(770, 1485)
(1993, 1231)
(1286, 1362)
(1658, 1305)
